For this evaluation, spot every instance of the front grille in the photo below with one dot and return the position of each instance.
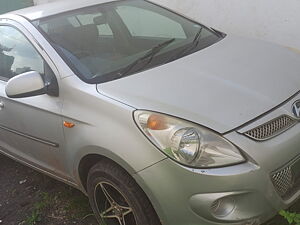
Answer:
(286, 181)
(271, 128)
(283, 180)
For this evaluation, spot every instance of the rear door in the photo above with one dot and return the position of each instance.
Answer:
(30, 128)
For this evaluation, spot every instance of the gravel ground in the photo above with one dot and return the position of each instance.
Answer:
(28, 197)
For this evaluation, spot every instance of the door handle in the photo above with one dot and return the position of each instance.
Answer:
(1, 105)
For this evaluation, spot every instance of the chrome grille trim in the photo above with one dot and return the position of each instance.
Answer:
(271, 128)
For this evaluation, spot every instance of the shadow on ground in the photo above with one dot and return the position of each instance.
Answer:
(28, 197)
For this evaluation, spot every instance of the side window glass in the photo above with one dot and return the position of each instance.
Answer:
(17, 55)
(146, 25)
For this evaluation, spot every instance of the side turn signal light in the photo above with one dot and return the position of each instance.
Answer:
(69, 124)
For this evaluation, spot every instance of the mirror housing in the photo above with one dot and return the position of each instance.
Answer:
(27, 84)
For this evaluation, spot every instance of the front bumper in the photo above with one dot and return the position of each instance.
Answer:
(185, 196)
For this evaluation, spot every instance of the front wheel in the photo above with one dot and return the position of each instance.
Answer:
(116, 199)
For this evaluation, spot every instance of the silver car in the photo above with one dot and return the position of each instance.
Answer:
(159, 119)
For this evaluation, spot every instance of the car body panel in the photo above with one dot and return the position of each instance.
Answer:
(212, 87)
(88, 111)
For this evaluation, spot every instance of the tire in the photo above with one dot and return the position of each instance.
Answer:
(116, 198)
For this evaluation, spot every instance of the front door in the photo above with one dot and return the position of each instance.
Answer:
(30, 128)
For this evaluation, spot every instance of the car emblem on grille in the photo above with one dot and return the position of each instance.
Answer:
(296, 109)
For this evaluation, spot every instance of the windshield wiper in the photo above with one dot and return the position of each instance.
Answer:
(191, 46)
(150, 54)
(197, 37)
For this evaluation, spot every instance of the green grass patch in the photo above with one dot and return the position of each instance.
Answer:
(292, 218)
(36, 214)
(77, 204)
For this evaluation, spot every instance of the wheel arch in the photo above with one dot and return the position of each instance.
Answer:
(93, 156)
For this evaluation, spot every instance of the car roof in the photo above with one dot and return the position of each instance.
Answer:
(57, 7)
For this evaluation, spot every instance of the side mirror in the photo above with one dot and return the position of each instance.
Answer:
(25, 85)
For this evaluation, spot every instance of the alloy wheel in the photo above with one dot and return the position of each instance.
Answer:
(112, 205)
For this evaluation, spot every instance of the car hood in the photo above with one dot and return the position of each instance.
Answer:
(220, 87)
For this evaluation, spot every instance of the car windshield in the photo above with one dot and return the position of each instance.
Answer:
(116, 39)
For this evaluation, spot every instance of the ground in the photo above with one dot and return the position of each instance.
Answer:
(28, 197)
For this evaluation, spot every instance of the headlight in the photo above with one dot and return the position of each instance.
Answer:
(186, 142)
